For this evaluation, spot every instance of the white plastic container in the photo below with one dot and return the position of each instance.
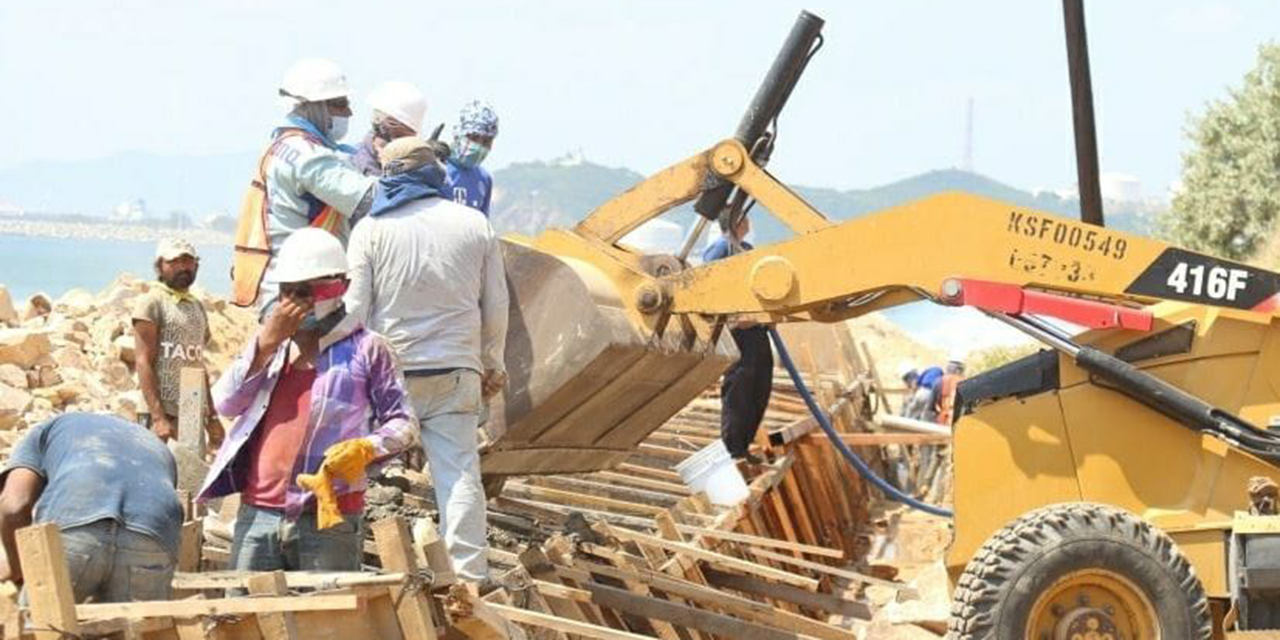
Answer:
(712, 471)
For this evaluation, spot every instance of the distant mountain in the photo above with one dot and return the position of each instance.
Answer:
(530, 196)
(534, 195)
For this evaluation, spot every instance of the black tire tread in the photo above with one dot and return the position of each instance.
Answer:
(980, 589)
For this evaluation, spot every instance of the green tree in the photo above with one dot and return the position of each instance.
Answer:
(1230, 195)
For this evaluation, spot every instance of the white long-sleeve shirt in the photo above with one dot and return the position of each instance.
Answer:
(428, 276)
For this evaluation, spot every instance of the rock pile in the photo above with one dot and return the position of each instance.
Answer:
(76, 353)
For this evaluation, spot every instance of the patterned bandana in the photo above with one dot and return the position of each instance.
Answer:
(478, 118)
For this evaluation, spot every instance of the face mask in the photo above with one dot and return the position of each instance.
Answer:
(469, 153)
(338, 129)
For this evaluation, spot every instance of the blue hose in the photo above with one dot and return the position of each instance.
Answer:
(889, 490)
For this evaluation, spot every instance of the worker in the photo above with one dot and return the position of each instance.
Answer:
(427, 273)
(908, 374)
(469, 183)
(170, 329)
(398, 111)
(310, 394)
(304, 179)
(922, 405)
(108, 485)
(944, 396)
(745, 390)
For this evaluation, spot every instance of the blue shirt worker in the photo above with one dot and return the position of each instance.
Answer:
(108, 485)
(748, 383)
(467, 182)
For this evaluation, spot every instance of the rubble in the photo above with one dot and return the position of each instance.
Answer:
(8, 314)
(77, 354)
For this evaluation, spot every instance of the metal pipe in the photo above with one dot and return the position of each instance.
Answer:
(1082, 112)
(769, 100)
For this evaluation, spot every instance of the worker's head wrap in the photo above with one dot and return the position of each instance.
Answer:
(410, 171)
(405, 154)
(477, 118)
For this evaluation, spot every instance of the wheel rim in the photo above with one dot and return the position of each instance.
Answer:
(1093, 604)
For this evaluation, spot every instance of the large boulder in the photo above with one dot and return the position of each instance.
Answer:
(13, 375)
(8, 315)
(23, 347)
(38, 306)
(13, 404)
(124, 348)
(76, 302)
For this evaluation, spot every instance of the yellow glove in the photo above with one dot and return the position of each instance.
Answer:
(321, 484)
(346, 460)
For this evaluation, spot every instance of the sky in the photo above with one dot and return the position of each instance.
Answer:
(639, 84)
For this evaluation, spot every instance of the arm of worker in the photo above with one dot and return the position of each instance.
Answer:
(22, 488)
(327, 176)
(493, 318)
(23, 483)
(359, 298)
(488, 194)
(396, 428)
(239, 386)
(146, 345)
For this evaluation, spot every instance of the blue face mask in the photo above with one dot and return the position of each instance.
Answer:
(469, 153)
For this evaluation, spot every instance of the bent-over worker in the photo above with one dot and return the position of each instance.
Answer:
(108, 485)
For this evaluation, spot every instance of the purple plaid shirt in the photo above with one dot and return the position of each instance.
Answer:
(357, 385)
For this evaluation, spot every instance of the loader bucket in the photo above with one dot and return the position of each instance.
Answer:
(584, 386)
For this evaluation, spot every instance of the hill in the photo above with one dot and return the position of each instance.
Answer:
(529, 196)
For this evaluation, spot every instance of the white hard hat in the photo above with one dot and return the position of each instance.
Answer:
(310, 253)
(957, 355)
(401, 101)
(314, 80)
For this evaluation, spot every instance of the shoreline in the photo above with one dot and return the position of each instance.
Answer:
(106, 230)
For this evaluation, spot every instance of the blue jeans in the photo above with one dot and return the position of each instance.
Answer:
(267, 541)
(113, 564)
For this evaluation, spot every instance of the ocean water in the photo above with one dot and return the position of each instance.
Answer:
(55, 265)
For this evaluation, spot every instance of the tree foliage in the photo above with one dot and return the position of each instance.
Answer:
(1230, 196)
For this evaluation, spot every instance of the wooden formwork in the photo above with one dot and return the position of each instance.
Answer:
(629, 552)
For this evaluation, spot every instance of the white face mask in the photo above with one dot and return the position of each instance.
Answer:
(338, 130)
(325, 307)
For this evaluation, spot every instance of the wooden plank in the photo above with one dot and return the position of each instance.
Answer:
(719, 600)
(189, 543)
(701, 619)
(604, 490)
(786, 593)
(885, 439)
(522, 490)
(395, 549)
(50, 595)
(273, 626)
(679, 490)
(475, 619)
(563, 605)
(224, 606)
(293, 579)
(664, 629)
(795, 504)
(564, 625)
(832, 571)
(650, 472)
(712, 557)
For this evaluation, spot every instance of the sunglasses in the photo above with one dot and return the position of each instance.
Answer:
(323, 290)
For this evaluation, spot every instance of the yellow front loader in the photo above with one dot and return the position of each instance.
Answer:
(1101, 486)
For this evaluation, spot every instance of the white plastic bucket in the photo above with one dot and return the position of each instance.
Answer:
(712, 471)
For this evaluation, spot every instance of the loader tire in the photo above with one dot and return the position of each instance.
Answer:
(1072, 568)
